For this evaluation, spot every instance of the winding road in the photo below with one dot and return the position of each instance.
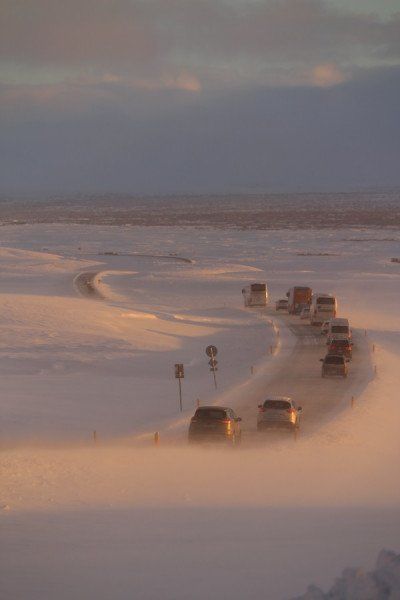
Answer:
(299, 376)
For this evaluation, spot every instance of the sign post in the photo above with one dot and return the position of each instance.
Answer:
(212, 352)
(179, 374)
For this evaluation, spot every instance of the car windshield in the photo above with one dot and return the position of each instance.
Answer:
(277, 404)
(339, 329)
(334, 360)
(326, 301)
(340, 343)
(210, 413)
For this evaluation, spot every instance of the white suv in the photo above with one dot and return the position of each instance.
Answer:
(277, 412)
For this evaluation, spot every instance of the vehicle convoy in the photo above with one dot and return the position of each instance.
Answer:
(339, 329)
(334, 365)
(278, 412)
(323, 308)
(341, 347)
(281, 304)
(255, 294)
(215, 423)
(298, 297)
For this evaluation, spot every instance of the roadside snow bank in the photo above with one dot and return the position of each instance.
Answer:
(22, 262)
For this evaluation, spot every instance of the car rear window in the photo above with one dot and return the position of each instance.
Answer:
(210, 413)
(277, 404)
(334, 360)
(326, 300)
(339, 329)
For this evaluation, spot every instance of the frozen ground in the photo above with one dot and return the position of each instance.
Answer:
(124, 519)
(368, 209)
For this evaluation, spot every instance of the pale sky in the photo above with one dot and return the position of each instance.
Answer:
(385, 8)
(193, 95)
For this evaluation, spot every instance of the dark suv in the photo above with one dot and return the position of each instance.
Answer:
(334, 364)
(282, 304)
(215, 423)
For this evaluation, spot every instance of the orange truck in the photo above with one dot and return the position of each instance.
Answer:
(298, 296)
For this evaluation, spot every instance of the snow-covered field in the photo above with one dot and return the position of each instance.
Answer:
(125, 519)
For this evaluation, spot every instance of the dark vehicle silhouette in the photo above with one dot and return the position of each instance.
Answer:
(334, 365)
(282, 304)
(215, 423)
(341, 347)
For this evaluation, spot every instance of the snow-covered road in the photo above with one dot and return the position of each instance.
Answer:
(299, 376)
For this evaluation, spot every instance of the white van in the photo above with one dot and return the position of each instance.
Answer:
(255, 294)
(323, 308)
(339, 329)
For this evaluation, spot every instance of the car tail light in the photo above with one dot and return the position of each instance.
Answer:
(225, 421)
(261, 409)
(291, 411)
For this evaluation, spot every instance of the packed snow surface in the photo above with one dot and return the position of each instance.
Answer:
(93, 319)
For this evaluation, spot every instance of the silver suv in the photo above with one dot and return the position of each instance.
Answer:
(278, 412)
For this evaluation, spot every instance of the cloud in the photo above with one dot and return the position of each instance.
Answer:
(258, 138)
(81, 94)
(145, 95)
(326, 75)
(178, 43)
(182, 81)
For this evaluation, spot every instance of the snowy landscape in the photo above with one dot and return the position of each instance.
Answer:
(93, 319)
(199, 300)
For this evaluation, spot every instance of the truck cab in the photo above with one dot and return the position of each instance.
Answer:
(299, 297)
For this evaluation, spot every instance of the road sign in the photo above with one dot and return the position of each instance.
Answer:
(179, 371)
(179, 375)
(211, 351)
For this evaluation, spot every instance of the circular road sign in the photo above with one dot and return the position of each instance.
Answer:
(211, 351)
